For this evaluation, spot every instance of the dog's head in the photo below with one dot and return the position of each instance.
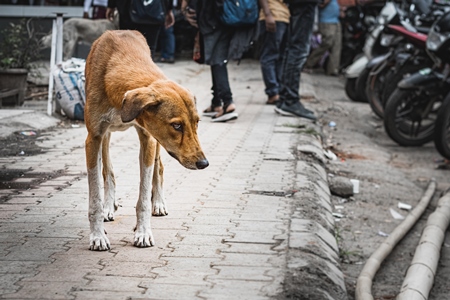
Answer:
(168, 112)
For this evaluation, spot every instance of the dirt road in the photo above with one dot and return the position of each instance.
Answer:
(388, 174)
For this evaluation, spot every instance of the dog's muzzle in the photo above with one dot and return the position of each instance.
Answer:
(201, 164)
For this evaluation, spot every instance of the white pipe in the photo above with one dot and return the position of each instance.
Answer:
(52, 66)
(59, 38)
(419, 278)
(364, 282)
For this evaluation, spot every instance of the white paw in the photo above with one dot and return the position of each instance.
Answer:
(99, 242)
(109, 210)
(108, 216)
(144, 239)
(159, 209)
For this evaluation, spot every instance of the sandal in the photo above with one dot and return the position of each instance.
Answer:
(211, 111)
(226, 113)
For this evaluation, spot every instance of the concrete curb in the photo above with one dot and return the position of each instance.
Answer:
(313, 268)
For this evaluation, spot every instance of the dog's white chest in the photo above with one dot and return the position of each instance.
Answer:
(112, 118)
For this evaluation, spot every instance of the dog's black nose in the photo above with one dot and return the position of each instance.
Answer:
(201, 164)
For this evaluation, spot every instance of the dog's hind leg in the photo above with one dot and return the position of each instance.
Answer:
(143, 236)
(159, 207)
(97, 239)
(110, 204)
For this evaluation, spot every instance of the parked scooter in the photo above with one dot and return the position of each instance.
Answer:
(411, 111)
(356, 23)
(407, 55)
(372, 47)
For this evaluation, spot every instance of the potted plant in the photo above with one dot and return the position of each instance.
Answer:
(19, 46)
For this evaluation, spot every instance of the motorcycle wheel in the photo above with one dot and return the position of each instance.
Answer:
(410, 116)
(442, 129)
(374, 90)
(394, 77)
(350, 88)
(361, 83)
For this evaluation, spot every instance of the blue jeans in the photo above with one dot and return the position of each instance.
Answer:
(271, 57)
(297, 50)
(167, 40)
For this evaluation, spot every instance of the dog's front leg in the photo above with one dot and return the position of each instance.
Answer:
(143, 236)
(159, 207)
(97, 239)
(111, 204)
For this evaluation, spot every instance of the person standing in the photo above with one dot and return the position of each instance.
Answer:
(167, 43)
(149, 31)
(294, 58)
(330, 30)
(274, 25)
(98, 9)
(217, 39)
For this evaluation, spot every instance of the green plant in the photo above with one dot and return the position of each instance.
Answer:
(19, 45)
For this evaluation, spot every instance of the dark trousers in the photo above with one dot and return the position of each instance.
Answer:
(149, 31)
(297, 50)
(221, 86)
(216, 48)
(272, 49)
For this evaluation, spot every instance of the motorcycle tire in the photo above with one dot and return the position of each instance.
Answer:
(442, 129)
(361, 83)
(350, 88)
(374, 90)
(394, 77)
(404, 119)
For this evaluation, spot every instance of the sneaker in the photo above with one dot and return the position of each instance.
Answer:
(295, 110)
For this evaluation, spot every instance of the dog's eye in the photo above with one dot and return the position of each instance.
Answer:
(177, 126)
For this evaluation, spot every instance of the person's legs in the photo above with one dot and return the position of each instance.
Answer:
(216, 55)
(334, 60)
(327, 32)
(167, 40)
(302, 20)
(295, 55)
(270, 58)
(151, 34)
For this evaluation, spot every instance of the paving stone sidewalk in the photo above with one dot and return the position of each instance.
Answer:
(256, 224)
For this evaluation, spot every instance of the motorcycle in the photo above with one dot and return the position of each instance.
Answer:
(372, 47)
(355, 26)
(439, 42)
(411, 111)
(392, 14)
(406, 56)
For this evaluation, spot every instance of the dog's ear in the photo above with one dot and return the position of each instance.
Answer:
(135, 101)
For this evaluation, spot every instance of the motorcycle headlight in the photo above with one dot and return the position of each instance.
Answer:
(435, 40)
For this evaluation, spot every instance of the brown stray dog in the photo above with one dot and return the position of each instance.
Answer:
(125, 88)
